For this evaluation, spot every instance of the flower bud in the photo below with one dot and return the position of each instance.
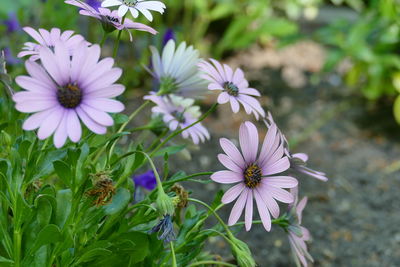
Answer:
(164, 203)
(5, 138)
(242, 253)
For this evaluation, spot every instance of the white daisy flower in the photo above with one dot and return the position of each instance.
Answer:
(136, 6)
(177, 71)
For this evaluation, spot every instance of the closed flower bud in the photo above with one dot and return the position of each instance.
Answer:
(242, 253)
(164, 203)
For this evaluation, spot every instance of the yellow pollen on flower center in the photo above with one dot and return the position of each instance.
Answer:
(252, 176)
(69, 96)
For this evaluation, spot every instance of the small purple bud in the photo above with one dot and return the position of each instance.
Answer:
(12, 23)
(168, 35)
(146, 180)
(10, 59)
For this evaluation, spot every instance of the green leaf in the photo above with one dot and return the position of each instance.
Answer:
(64, 200)
(119, 201)
(120, 118)
(63, 171)
(48, 235)
(93, 254)
(396, 109)
(5, 260)
(169, 150)
(44, 211)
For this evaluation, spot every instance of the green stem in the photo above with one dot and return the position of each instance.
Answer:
(211, 262)
(173, 254)
(228, 231)
(17, 246)
(187, 177)
(103, 39)
(116, 44)
(172, 135)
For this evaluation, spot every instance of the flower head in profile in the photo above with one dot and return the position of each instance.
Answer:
(48, 39)
(179, 113)
(298, 161)
(110, 19)
(298, 234)
(64, 90)
(255, 175)
(176, 70)
(136, 6)
(146, 180)
(235, 88)
(165, 229)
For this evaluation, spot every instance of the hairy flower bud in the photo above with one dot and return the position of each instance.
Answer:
(242, 253)
(164, 203)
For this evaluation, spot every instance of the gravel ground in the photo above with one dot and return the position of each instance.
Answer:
(353, 217)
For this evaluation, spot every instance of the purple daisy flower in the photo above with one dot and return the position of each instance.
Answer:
(65, 89)
(255, 176)
(146, 180)
(12, 23)
(49, 39)
(235, 88)
(110, 19)
(298, 234)
(298, 161)
(179, 112)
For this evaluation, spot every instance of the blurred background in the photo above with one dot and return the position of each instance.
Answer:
(329, 71)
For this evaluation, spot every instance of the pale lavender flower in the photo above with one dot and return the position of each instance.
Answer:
(235, 88)
(298, 161)
(176, 70)
(63, 90)
(136, 6)
(256, 175)
(12, 23)
(110, 19)
(48, 39)
(298, 234)
(179, 112)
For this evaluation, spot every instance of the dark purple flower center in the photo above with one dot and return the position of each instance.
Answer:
(112, 19)
(231, 88)
(130, 3)
(179, 116)
(252, 176)
(69, 96)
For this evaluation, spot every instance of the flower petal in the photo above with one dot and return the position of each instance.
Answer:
(238, 207)
(232, 193)
(232, 152)
(226, 177)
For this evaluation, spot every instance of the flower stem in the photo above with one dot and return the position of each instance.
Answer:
(211, 263)
(229, 233)
(172, 135)
(173, 254)
(103, 39)
(116, 44)
(187, 177)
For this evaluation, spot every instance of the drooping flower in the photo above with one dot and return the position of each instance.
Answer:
(49, 39)
(235, 88)
(298, 161)
(176, 71)
(298, 234)
(12, 23)
(146, 180)
(179, 112)
(256, 175)
(110, 19)
(62, 90)
(136, 6)
(165, 229)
